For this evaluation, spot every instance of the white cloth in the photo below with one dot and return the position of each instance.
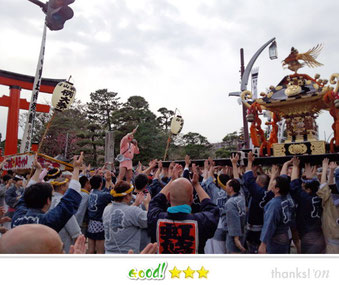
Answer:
(71, 230)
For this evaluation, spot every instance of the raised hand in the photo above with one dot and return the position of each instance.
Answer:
(295, 161)
(139, 198)
(235, 158)
(325, 163)
(250, 157)
(211, 161)
(153, 163)
(176, 170)
(78, 161)
(275, 170)
(310, 171)
(134, 130)
(333, 165)
(195, 179)
(151, 248)
(171, 165)
(79, 246)
(36, 164)
(187, 160)
(206, 165)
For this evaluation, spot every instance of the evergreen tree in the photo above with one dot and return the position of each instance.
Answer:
(92, 143)
(196, 145)
(151, 138)
(165, 118)
(231, 144)
(102, 107)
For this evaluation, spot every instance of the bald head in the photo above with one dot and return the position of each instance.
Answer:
(31, 239)
(181, 192)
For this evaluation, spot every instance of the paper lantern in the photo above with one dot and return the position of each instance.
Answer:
(176, 124)
(63, 95)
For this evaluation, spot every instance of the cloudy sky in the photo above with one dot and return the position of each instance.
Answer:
(175, 53)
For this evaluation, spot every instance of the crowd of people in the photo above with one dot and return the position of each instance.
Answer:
(211, 209)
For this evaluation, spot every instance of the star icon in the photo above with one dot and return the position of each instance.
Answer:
(175, 272)
(189, 272)
(203, 272)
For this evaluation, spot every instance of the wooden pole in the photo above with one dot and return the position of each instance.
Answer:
(167, 146)
(43, 137)
(45, 133)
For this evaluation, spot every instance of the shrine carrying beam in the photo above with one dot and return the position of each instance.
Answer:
(16, 82)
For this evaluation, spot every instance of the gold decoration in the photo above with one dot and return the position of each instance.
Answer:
(292, 107)
(297, 148)
(278, 149)
(292, 90)
(299, 106)
(245, 95)
(318, 147)
(333, 80)
(299, 138)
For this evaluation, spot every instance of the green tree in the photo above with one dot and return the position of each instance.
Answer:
(151, 138)
(92, 143)
(165, 118)
(231, 139)
(196, 145)
(102, 107)
(222, 153)
(230, 142)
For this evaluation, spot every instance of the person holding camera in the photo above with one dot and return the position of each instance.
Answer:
(128, 148)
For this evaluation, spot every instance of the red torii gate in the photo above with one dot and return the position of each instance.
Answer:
(16, 82)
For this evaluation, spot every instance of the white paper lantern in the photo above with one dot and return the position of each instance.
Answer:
(177, 124)
(63, 95)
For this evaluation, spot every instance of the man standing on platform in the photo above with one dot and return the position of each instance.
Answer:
(128, 147)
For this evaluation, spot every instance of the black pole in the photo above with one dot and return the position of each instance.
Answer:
(244, 110)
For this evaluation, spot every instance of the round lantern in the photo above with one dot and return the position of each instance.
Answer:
(177, 124)
(63, 95)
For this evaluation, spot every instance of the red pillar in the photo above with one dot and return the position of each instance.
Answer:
(11, 146)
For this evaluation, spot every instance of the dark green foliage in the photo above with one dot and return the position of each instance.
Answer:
(230, 144)
(102, 107)
(165, 119)
(196, 145)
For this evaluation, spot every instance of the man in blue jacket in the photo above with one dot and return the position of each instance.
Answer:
(33, 207)
(182, 231)
(259, 197)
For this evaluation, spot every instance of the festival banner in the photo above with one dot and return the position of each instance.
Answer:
(25, 161)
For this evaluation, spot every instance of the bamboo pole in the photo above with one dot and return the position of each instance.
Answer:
(43, 137)
(167, 146)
